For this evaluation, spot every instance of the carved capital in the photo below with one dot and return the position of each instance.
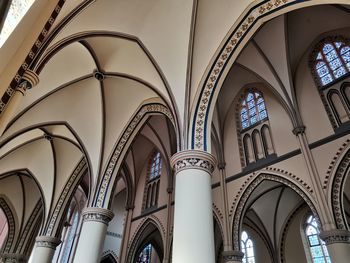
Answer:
(29, 80)
(14, 258)
(96, 214)
(298, 130)
(232, 256)
(47, 241)
(335, 236)
(193, 159)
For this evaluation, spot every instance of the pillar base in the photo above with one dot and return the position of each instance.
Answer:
(232, 256)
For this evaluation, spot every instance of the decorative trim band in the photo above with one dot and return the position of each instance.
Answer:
(193, 159)
(232, 256)
(97, 214)
(47, 241)
(14, 258)
(335, 236)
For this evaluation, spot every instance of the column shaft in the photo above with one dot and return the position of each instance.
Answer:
(92, 236)
(44, 249)
(193, 219)
(338, 244)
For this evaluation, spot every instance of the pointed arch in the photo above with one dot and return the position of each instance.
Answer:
(241, 204)
(145, 234)
(6, 207)
(227, 52)
(146, 109)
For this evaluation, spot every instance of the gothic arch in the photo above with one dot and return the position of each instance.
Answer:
(241, 205)
(240, 33)
(336, 189)
(6, 206)
(55, 221)
(148, 108)
(138, 239)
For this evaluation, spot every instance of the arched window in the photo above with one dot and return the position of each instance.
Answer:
(152, 181)
(253, 109)
(331, 61)
(145, 255)
(318, 249)
(253, 128)
(156, 165)
(247, 247)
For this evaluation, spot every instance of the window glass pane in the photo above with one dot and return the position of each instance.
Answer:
(338, 44)
(327, 48)
(254, 111)
(335, 64)
(263, 115)
(322, 71)
(250, 97)
(331, 55)
(326, 79)
(346, 56)
(313, 239)
(339, 72)
(319, 56)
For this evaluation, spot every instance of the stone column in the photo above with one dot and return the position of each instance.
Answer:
(126, 236)
(193, 219)
(28, 81)
(338, 244)
(232, 256)
(93, 233)
(44, 249)
(14, 258)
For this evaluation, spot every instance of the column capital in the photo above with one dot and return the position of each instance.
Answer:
(15, 258)
(193, 159)
(47, 241)
(335, 236)
(29, 80)
(97, 214)
(232, 256)
(298, 130)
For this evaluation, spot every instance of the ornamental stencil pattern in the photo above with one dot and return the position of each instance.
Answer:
(122, 142)
(70, 185)
(256, 13)
(11, 225)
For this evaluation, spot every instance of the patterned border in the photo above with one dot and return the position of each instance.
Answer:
(200, 118)
(335, 236)
(70, 185)
(30, 57)
(238, 215)
(337, 190)
(11, 223)
(107, 180)
(28, 227)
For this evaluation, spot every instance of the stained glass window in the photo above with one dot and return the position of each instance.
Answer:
(253, 109)
(247, 247)
(318, 249)
(145, 255)
(156, 166)
(332, 62)
(17, 10)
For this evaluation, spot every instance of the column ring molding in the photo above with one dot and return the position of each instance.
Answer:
(193, 159)
(97, 214)
(47, 241)
(335, 236)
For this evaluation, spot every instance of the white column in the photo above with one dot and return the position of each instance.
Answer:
(93, 233)
(44, 249)
(232, 256)
(193, 218)
(338, 245)
(10, 258)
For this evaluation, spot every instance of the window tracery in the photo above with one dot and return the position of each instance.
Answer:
(153, 181)
(317, 246)
(253, 132)
(247, 247)
(330, 62)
